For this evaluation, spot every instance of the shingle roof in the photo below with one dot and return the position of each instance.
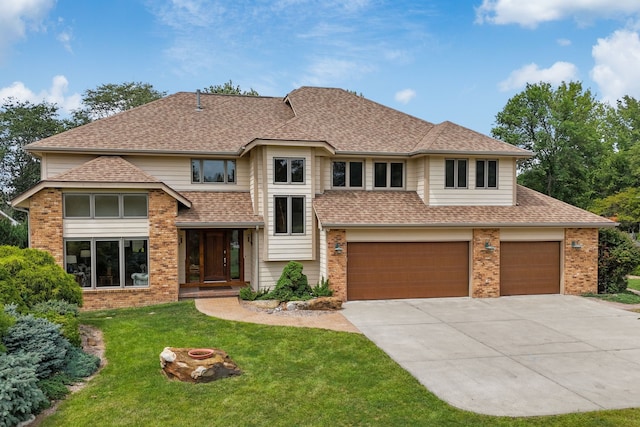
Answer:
(405, 208)
(105, 169)
(218, 209)
(227, 123)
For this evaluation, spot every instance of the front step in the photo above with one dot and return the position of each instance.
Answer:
(217, 292)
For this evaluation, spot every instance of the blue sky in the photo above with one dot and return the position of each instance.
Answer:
(457, 60)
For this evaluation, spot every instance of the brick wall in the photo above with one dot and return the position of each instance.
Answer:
(337, 263)
(485, 281)
(581, 265)
(163, 262)
(45, 223)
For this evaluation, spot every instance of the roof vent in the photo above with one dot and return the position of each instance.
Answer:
(199, 106)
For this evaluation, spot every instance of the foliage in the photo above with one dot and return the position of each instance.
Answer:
(617, 257)
(61, 313)
(30, 276)
(623, 207)
(22, 123)
(6, 321)
(109, 99)
(13, 235)
(19, 393)
(623, 297)
(229, 89)
(41, 338)
(79, 364)
(56, 386)
(564, 129)
(248, 294)
(292, 284)
(322, 289)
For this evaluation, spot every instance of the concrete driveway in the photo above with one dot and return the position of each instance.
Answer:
(515, 356)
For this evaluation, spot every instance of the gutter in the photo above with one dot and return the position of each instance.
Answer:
(477, 225)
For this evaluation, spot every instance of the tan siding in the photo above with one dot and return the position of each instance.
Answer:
(531, 234)
(55, 164)
(75, 228)
(322, 238)
(270, 272)
(440, 196)
(409, 235)
(420, 177)
(288, 247)
(411, 172)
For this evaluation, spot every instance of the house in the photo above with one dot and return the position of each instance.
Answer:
(205, 190)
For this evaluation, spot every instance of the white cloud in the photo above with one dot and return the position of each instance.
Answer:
(19, 16)
(556, 74)
(405, 96)
(65, 38)
(56, 94)
(331, 71)
(529, 13)
(564, 42)
(617, 60)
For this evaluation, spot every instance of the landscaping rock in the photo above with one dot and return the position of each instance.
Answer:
(324, 303)
(297, 305)
(177, 364)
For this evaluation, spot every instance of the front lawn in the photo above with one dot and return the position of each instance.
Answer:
(634, 284)
(292, 377)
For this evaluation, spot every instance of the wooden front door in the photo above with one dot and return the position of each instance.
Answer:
(215, 256)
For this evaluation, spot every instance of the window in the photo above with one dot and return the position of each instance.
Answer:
(455, 173)
(287, 171)
(486, 174)
(388, 174)
(213, 171)
(347, 174)
(289, 214)
(104, 263)
(103, 205)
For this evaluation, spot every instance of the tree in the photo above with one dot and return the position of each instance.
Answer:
(617, 257)
(623, 206)
(109, 99)
(22, 123)
(564, 129)
(229, 89)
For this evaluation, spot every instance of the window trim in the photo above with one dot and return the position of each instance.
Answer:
(289, 214)
(226, 171)
(92, 205)
(347, 174)
(456, 163)
(289, 180)
(486, 174)
(388, 177)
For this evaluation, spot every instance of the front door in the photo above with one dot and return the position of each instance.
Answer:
(215, 254)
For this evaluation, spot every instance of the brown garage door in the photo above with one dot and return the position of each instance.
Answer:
(529, 268)
(407, 270)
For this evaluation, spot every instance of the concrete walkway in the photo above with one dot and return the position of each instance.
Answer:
(514, 356)
(230, 309)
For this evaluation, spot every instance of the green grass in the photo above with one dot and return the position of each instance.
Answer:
(626, 297)
(291, 377)
(634, 284)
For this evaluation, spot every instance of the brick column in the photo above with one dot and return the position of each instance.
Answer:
(163, 246)
(337, 263)
(45, 223)
(485, 263)
(581, 264)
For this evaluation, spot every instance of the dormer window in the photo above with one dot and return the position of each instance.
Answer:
(455, 175)
(486, 174)
(388, 174)
(347, 174)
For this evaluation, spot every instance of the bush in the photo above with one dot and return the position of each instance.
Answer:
(55, 387)
(292, 284)
(41, 338)
(6, 321)
(322, 289)
(248, 294)
(13, 235)
(617, 257)
(61, 313)
(19, 393)
(30, 276)
(79, 364)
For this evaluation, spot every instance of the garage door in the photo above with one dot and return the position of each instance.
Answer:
(407, 270)
(528, 268)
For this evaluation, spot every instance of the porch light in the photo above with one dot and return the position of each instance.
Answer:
(337, 248)
(575, 244)
(488, 247)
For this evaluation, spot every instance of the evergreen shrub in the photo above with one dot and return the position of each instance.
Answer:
(20, 396)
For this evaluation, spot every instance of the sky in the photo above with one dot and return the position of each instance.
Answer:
(456, 60)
